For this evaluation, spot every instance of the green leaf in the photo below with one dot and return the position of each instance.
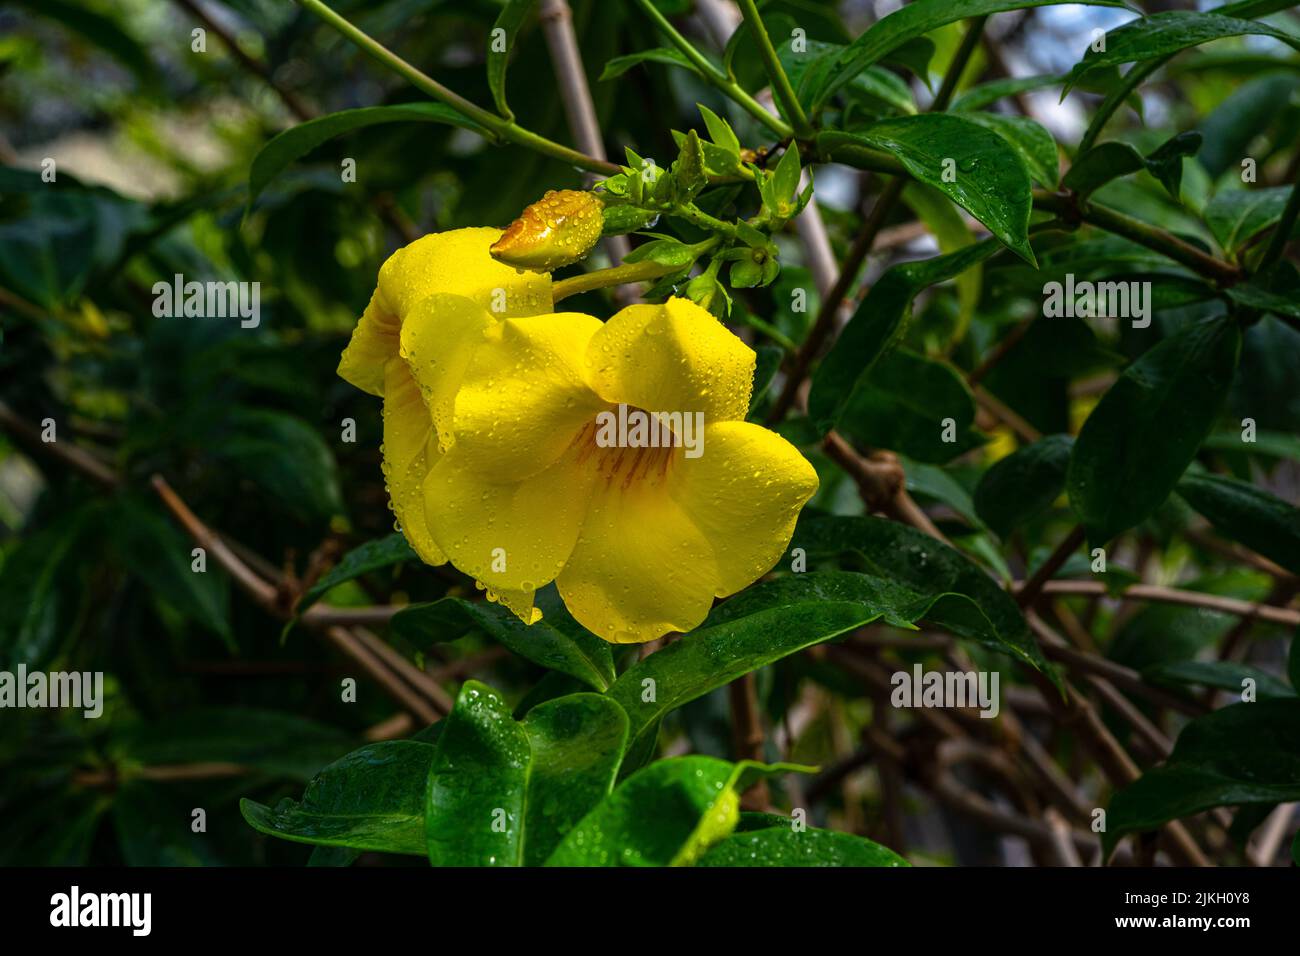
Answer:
(875, 86)
(1101, 164)
(1027, 137)
(667, 814)
(1237, 215)
(284, 745)
(720, 130)
(907, 404)
(282, 455)
(1246, 514)
(1162, 34)
(1249, 110)
(876, 324)
(1239, 755)
(1225, 675)
(689, 168)
(911, 21)
(1024, 484)
(372, 799)
(949, 228)
(145, 815)
(577, 746)
(296, 142)
(1118, 475)
(973, 166)
(497, 786)
(621, 64)
(371, 556)
(556, 642)
(917, 576)
(763, 624)
(509, 20)
(782, 846)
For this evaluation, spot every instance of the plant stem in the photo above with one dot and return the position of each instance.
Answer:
(958, 65)
(501, 127)
(603, 278)
(782, 91)
(714, 75)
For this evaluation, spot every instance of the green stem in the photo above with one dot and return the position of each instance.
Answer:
(958, 65)
(499, 126)
(782, 91)
(692, 213)
(1111, 103)
(604, 278)
(714, 75)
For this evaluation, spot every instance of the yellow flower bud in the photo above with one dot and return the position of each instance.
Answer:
(557, 230)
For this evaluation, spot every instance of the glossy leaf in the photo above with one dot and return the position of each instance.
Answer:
(1161, 34)
(1024, 484)
(973, 166)
(911, 21)
(667, 814)
(372, 799)
(1027, 137)
(371, 556)
(782, 846)
(556, 642)
(1240, 511)
(1118, 474)
(1223, 675)
(1244, 754)
(1237, 215)
(508, 21)
(876, 324)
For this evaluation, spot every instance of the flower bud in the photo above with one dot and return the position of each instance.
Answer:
(557, 230)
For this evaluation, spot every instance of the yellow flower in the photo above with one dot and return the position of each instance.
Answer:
(433, 300)
(638, 539)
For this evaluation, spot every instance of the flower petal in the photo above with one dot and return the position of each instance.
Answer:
(510, 536)
(674, 357)
(456, 262)
(743, 492)
(524, 396)
(373, 343)
(439, 337)
(640, 568)
(459, 262)
(408, 452)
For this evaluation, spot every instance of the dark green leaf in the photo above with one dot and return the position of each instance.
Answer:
(372, 799)
(913, 20)
(986, 94)
(1237, 215)
(1028, 138)
(508, 21)
(973, 166)
(1243, 754)
(1024, 484)
(1161, 34)
(1224, 675)
(1249, 515)
(924, 578)
(284, 456)
(371, 556)
(40, 593)
(876, 324)
(908, 403)
(556, 642)
(1118, 473)
(621, 64)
